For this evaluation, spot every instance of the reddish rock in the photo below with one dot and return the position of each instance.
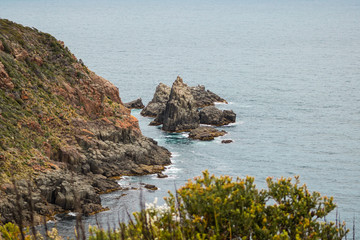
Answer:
(21, 55)
(61, 43)
(5, 80)
(24, 95)
(34, 126)
(38, 60)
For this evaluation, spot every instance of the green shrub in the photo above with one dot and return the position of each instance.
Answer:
(219, 208)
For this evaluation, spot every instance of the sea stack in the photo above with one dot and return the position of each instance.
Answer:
(180, 113)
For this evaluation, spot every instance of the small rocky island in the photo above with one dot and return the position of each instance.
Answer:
(182, 109)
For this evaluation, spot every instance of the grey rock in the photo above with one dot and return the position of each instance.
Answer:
(230, 116)
(205, 133)
(205, 97)
(214, 116)
(157, 104)
(161, 175)
(137, 104)
(180, 113)
(150, 187)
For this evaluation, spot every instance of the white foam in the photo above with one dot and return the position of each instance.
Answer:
(72, 214)
(175, 154)
(172, 169)
(185, 134)
(220, 103)
(234, 124)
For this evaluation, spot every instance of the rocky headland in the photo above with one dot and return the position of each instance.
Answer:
(65, 133)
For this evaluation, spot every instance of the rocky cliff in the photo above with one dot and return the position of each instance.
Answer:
(62, 127)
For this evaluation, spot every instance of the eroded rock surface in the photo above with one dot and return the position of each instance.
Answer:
(205, 97)
(214, 116)
(180, 113)
(158, 103)
(54, 192)
(202, 98)
(63, 125)
(136, 104)
(205, 133)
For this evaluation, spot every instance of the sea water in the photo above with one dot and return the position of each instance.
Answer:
(290, 70)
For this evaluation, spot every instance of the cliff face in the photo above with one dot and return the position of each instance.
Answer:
(57, 118)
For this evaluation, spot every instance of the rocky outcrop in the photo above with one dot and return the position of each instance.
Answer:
(136, 104)
(180, 113)
(53, 192)
(158, 103)
(107, 148)
(63, 125)
(214, 116)
(5, 80)
(205, 133)
(204, 97)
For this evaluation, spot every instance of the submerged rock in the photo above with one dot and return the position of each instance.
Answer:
(205, 133)
(158, 103)
(161, 175)
(137, 104)
(214, 116)
(227, 141)
(151, 187)
(180, 113)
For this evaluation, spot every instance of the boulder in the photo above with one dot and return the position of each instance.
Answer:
(214, 116)
(180, 113)
(205, 133)
(229, 116)
(227, 141)
(204, 97)
(151, 187)
(5, 80)
(137, 104)
(157, 104)
(161, 175)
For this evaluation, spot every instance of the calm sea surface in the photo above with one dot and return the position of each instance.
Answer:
(289, 69)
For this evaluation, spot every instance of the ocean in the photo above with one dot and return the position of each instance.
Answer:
(290, 70)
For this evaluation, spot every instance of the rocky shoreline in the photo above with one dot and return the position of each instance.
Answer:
(67, 134)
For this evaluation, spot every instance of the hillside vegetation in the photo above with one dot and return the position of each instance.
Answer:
(62, 126)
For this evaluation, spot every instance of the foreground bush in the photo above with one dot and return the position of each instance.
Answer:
(220, 208)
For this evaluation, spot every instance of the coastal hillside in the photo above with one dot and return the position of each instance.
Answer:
(64, 131)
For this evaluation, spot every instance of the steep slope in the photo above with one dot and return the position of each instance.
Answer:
(62, 126)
